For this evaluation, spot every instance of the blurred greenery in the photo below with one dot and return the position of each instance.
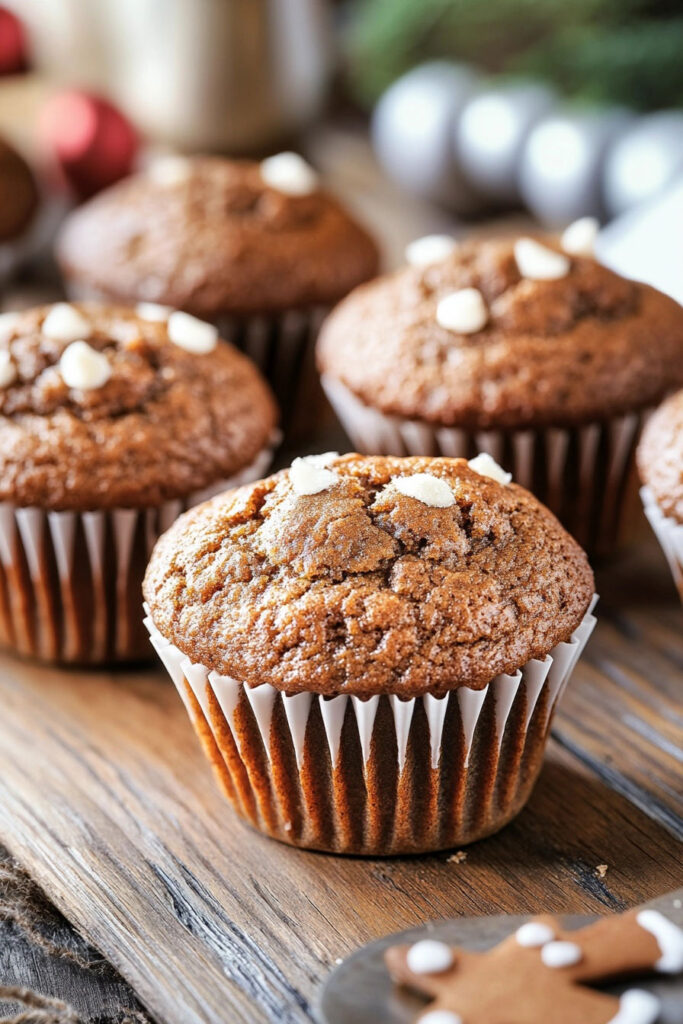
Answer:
(613, 51)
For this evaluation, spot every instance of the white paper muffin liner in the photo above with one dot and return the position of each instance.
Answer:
(669, 533)
(580, 473)
(380, 775)
(70, 582)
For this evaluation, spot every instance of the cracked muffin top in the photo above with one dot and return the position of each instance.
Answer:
(215, 236)
(368, 575)
(102, 408)
(660, 456)
(538, 338)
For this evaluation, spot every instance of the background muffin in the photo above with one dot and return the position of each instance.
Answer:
(546, 362)
(258, 249)
(660, 463)
(371, 648)
(109, 427)
(19, 203)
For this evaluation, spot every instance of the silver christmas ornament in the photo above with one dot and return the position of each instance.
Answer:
(644, 161)
(412, 132)
(561, 170)
(491, 132)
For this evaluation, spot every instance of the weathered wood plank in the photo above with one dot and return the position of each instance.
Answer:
(53, 967)
(105, 796)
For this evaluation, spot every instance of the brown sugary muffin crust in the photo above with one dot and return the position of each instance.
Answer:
(660, 456)
(18, 193)
(167, 422)
(221, 242)
(588, 346)
(360, 589)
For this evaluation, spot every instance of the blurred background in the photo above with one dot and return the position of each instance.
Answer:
(425, 114)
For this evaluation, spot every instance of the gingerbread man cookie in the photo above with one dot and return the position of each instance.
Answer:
(541, 973)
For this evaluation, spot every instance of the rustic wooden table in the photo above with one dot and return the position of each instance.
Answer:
(108, 803)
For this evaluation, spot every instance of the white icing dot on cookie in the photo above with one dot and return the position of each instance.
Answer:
(561, 954)
(170, 170)
(310, 477)
(430, 249)
(429, 957)
(8, 321)
(669, 939)
(637, 1007)
(65, 323)
(192, 334)
(579, 238)
(289, 173)
(463, 311)
(428, 489)
(441, 1017)
(484, 465)
(8, 371)
(538, 263)
(534, 934)
(83, 368)
(153, 311)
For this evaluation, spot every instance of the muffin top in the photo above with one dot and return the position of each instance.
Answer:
(660, 456)
(213, 236)
(368, 575)
(99, 408)
(505, 334)
(18, 193)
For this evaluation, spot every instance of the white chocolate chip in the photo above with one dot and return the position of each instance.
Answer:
(65, 323)
(533, 934)
(430, 249)
(429, 957)
(8, 321)
(323, 460)
(441, 1017)
(289, 173)
(428, 489)
(484, 465)
(170, 170)
(637, 1007)
(579, 238)
(561, 954)
(153, 311)
(309, 477)
(669, 939)
(538, 263)
(83, 368)
(193, 335)
(8, 371)
(463, 311)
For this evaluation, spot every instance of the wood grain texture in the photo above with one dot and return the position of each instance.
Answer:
(105, 796)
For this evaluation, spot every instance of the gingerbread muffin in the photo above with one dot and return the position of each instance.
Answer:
(545, 360)
(371, 648)
(258, 249)
(660, 463)
(110, 426)
(19, 202)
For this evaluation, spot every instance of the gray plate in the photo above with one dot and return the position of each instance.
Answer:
(360, 990)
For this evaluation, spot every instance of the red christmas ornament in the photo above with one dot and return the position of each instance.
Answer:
(13, 48)
(91, 141)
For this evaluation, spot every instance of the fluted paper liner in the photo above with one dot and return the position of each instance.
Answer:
(283, 347)
(580, 473)
(380, 775)
(669, 533)
(71, 582)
